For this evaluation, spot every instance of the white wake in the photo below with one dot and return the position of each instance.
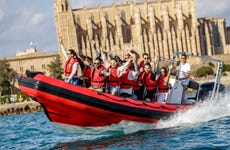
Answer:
(204, 112)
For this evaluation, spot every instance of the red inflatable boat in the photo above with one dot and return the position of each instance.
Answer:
(68, 104)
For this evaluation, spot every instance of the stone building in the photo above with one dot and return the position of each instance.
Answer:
(158, 27)
(32, 60)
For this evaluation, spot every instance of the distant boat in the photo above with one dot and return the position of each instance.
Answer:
(71, 105)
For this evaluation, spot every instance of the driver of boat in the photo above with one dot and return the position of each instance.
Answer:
(184, 69)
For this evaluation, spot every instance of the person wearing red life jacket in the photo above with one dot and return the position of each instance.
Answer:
(113, 81)
(145, 59)
(137, 88)
(163, 84)
(128, 73)
(72, 66)
(148, 79)
(86, 71)
(97, 76)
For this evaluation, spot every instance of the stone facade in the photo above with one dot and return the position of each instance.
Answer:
(214, 36)
(31, 60)
(159, 27)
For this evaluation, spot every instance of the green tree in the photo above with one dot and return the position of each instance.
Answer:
(55, 68)
(7, 78)
(203, 71)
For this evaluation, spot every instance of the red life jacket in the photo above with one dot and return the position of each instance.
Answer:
(113, 80)
(162, 88)
(86, 73)
(69, 66)
(142, 64)
(146, 80)
(96, 79)
(137, 84)
(125, 82)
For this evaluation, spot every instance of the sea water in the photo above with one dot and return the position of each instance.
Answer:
(206, 126)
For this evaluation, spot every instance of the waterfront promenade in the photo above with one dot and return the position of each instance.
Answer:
(19, 108)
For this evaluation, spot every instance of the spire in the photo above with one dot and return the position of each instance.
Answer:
(83, 2)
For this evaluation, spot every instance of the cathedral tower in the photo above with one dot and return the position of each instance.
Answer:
(65, 24)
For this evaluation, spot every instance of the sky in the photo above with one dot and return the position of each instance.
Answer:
(26, 21)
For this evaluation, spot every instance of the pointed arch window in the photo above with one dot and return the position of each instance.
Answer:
(78, 20)
(123, 17)
(93, 22)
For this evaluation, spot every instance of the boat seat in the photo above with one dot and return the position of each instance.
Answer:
(193, 85)
(189, 101)
(32, 73)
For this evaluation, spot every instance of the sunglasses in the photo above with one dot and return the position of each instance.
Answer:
(146, 58)
(96, 63)
(68, 53)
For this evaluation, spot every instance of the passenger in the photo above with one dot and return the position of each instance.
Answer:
(128, 72)
(97, 76)
(86, 71)
(71, 67)
(146, 59)
(163, 84)
(113, 81)
(148, 79)
(137, 88)
(126, 57)
(184, 70)
(118, 59)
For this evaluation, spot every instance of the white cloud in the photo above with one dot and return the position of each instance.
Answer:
(38, 18)
(213, 8)
(1, 15)
(27, 21)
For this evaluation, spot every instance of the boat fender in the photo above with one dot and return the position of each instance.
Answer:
(153, 105)
(135, 102)
(171, 107)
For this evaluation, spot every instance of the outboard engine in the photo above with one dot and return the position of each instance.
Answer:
(206, 89)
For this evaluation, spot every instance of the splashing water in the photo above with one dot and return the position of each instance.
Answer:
(203, 112)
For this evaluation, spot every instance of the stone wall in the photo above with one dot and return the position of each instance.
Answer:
(19, 108)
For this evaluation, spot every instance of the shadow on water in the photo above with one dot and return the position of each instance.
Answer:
(137, 140)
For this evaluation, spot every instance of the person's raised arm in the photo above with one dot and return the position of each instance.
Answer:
(168, 75)
(121, 69)
(63, 49)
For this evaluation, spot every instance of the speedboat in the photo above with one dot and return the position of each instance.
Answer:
(72, 105)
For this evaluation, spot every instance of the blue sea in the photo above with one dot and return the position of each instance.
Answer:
(206, 126)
